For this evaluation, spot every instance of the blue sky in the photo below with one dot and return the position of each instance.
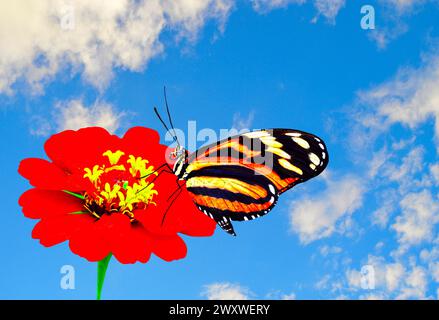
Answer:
(371, 94)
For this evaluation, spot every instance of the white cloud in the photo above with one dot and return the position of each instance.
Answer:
(434, 269)
(387, 205)
(393, 274)
(264, 6)
(392, 23)
(40, 126)
(411, 164)
(74, 114)
(279, 295)
(92, 37)
(404, 176)
(420, 213)
(289, 296)
(379, 245)
(434, 169)
(403, 6)
(226, 291)
(241, 123)
(327, 250)
(378, 160)
(393, 280)
(326, 8)
(316, 217)
(415, 284)
(329, 8)
(411, 98)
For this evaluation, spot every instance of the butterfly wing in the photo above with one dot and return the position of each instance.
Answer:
(241, 177)
(227, 193)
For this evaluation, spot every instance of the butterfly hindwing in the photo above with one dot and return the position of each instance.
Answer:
(231, 193)
(241, 177)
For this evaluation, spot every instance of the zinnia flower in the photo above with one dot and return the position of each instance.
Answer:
(103, 194)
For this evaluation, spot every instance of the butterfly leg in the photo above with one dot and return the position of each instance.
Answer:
(175, 194)
(158, 174)
(155, 171)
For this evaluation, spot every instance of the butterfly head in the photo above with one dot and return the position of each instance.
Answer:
(180, 158)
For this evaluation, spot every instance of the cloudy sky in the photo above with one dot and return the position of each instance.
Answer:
(366, 229)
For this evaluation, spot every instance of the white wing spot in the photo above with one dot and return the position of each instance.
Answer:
(314, 159)
(289, 166)
(312, 166)
(293, 134)
(271, 142)
(321, 146)
(279, 152)
(272, 189)
(317, 139)
(323, 155)
(257, 134)
(271, 200)
(301, 142)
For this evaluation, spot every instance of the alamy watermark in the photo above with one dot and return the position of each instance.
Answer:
(67, 17)
(367, 278)
(368, 19)
(246, 149)
(67, 281)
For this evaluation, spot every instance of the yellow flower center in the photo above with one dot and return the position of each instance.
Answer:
(120, 186)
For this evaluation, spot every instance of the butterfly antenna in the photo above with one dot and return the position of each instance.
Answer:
(169, 115)
(164, 124)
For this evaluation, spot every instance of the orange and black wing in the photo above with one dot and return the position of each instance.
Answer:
(241, 177)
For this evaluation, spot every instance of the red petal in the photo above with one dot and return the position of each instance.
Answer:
(45, 175)
(39, 203)
(133, 246)
(193, 222)
(54, 230)
(182, 215)
(144, 142)
(152, 217)
(169, 248)
(147, 136)
(75, 150)
(89, 242)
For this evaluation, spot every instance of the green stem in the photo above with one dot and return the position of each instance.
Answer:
(102, 270)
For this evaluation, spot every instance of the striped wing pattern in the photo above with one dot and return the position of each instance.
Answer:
(240, 178)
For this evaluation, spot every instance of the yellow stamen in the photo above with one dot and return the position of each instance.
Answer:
(113, 157)
(94, 174)
(119, 193)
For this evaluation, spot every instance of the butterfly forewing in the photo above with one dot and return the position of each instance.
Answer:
(241, 177)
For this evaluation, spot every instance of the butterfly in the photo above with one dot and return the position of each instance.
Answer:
(240, 178)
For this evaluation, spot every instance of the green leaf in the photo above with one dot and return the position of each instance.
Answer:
(77, 195)
(79, 212)
(102, 270)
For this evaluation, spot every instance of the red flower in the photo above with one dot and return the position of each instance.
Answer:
(98, 193)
